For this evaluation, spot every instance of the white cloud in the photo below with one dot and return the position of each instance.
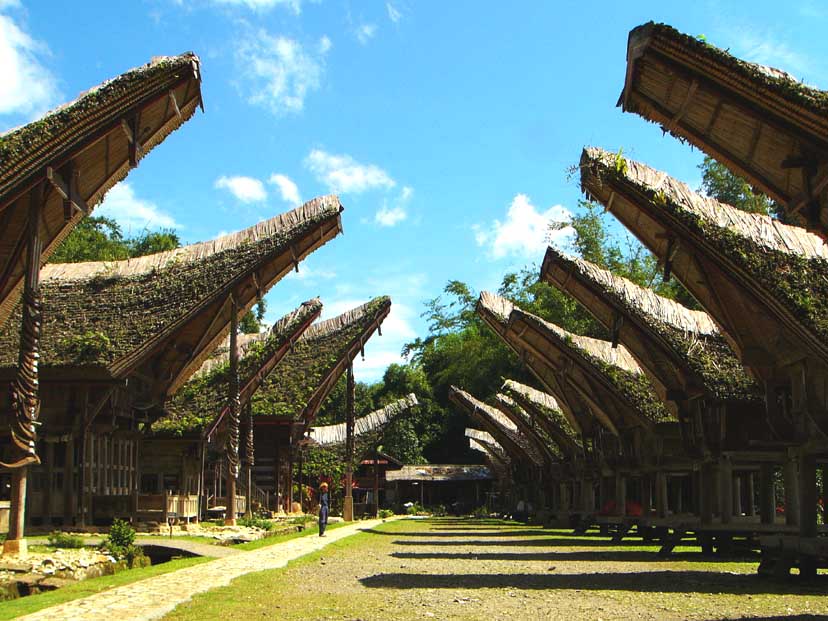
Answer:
(525, 232)
(27, 86)
(264, 5)
(309, 275)
(277, 72)
(134, 214)
(762, 47)
(342, 173)
(393, 13)
(393, 215)
(365, 32)
(245, 189)
(325, 44)
(287, 189)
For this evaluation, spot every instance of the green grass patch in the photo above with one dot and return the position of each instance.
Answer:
(27, 605)
(274, 539)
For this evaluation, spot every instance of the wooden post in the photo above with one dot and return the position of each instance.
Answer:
(68, 469)
(791, 483)
(767, 498)
(277, 476)
(807, 496)
(750, 493)
(706, 493)
(25, 398)
(646, 494)
(726, 490)
(289, 477)
(662, 502)
(232, 444)
(737, 495)
(824, 495)
(348, 504)
(376, 486)
(620, 494)
(301, 479)
(249, 461)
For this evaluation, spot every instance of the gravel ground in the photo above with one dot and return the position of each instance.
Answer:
(472, 569)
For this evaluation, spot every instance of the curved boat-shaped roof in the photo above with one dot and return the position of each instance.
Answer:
(319, 358)
(761, 122)
(498, 425)
(681, 349)
(162, 315)
(202, 402)
(77, 152)
(763, 282)
(368, 427)
(529, 427)
(544, 410)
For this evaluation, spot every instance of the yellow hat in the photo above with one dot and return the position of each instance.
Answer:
(323, 486)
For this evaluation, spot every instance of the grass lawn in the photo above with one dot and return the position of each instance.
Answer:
(269, 541)
(26, 605)
(466, 569)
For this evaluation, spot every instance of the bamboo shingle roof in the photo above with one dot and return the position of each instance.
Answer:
(681, 349)
(203, 400)
(761, 122)
(529, 427)
(81, 150)
(319, 358)
(368, 429)
(162, 315)
(484, 441)
(440, 472)
(543, 408)
(763, 282)
(498, 425)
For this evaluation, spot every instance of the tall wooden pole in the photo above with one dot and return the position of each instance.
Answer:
(376, 483)
(25, 399)
(232, 443)
(250, 461)
(350, 396)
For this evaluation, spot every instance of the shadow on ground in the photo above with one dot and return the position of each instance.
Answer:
(631, 556)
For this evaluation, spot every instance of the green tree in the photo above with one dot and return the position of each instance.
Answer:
(152, 242)
(719, 182)
(252, 321)
(93, 239)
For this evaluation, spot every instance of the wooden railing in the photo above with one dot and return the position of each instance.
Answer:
(168, 505)
(213, 503)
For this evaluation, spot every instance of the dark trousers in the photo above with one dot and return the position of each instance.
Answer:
(323, 520)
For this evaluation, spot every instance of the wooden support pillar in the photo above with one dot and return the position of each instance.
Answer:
(587, 496)
(376, 487)
(824, 494)
(737, 494)
(232, 444)
(289, 478)
(647, 494)
(726, 490)
(678, 495)
(767, 497)
(68, 471)
(695, 492)
(750, 493)
(706, 493)
(807, 496)
(301, 479)
(249, 461)
(620, 494)
(790, 477)
(662, 505)
(348, 504)
(277, 476)
(564, 497)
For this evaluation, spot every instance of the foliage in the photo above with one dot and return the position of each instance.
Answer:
(251, 322)
(256, 522)
(385, 513)
(98, 238)
(480, 512)
(415, 509)
(58, 539)
(121, 543)
(90, 346)
(720, 183)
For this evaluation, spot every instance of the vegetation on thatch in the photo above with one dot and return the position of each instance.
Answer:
(316, 362)
(615, 366)
(498, 424)
(692, 335)
(484, 441)
(786, 262)
(22, 149)
(201, 400)
(543, 406)
(140, 300)
(528, 426)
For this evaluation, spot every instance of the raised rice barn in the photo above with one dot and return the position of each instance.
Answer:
(761, 281)
(761, 122)
(121, 337)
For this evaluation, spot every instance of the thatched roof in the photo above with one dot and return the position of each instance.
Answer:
(494, 310)
(778, 270)
(498, 425)
(440, 472)
(484, 441)
(682, 349)
(370, 425)
(318, 360)
(755, 119)
(544, 410)
(605, 370)
(529, 427)
(203, 400)
(82, 149)
(164, 314)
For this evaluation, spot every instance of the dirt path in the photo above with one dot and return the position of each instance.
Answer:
(193, 547)
(465, 569)
(154, 597)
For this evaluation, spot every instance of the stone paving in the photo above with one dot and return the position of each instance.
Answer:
(154, 597)
(194, 547)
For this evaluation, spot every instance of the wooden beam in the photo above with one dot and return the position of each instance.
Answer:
(175, 104)
(67, 188)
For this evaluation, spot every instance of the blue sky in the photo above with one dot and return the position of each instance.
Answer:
(446, 127)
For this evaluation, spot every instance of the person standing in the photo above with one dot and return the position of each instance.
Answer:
(324, 507)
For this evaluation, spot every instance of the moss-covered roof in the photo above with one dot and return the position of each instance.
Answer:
(690, 335)
(786, 262)
(25, 149)
(494, 310)
(310, 370)
(100, 314)
(614, 366)
(498, 424)
(528, 426)
(204, 398)
(545, 408)
(485, 442)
